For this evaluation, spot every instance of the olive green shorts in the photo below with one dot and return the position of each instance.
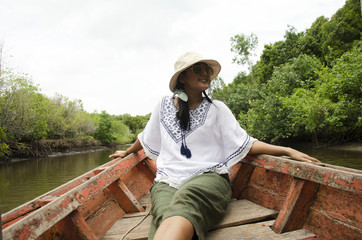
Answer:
(202, 200)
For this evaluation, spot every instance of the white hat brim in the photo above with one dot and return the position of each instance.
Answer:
(210, 62)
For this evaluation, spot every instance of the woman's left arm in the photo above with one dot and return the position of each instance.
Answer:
(260, 147)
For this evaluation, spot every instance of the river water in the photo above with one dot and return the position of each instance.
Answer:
(24, 180)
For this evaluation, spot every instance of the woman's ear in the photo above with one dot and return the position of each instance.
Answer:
(181, 77)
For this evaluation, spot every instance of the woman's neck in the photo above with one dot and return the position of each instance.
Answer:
(194, 100)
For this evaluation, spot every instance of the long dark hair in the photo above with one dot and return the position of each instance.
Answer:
(183, 113)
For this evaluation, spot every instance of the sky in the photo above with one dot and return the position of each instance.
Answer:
(118, 56)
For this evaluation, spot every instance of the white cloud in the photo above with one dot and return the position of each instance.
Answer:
(118, 55)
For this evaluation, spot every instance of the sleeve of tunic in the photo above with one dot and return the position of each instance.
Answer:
(150, 137)
(236, 142)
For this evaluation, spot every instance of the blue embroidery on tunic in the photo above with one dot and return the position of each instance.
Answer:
(154, 152)
(240, 150)
(233, 155)
(162, 173)
(171, 123)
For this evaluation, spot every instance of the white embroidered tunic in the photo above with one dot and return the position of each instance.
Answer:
(215, 140)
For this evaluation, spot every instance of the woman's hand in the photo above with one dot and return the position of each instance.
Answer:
(301, 156)
(260, 147)
(119, 153)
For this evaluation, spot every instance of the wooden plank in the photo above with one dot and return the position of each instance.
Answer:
(82, 227)
(148, 168)
(145, 199)
(238, 212)
(137, 182)
(124, 197)
(267, 188)
(335, 214)
(241, 179)
(242, 212)
(122, 226)
(103, 219)
(260, 230)
(341, 178)
(294, 211)
(93, 204)
(34, 225)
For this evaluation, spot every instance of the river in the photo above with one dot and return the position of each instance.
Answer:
(24, 180)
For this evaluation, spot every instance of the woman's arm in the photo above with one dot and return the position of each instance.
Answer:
(136, 146)
(260, 147)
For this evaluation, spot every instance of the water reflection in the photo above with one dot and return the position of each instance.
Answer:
(23, 181)
(346, 157)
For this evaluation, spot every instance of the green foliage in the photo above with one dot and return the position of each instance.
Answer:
(277, 54)
(340, 33)
(121, 132)
(104, 133)
(135, 123)
(239, 94)
(342, 85)
(27, 115)
(67, 119)
(216, 85)
(3, 145)
(21, 108)
(299, 72)
(243, 46)
(265, 119)
(311, 42)
(306, 87)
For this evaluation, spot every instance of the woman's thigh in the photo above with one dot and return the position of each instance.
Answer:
(202, 200)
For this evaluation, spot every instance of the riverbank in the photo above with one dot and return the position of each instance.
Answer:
(50, 148)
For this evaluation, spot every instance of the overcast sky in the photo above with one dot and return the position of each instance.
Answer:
(118, 55)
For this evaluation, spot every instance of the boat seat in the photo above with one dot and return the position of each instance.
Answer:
(243, 220)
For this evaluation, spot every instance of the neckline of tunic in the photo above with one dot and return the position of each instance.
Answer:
(174, 99)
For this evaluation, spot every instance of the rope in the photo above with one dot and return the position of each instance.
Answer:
(136, 225)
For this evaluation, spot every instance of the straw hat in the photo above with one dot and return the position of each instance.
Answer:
(187, 60)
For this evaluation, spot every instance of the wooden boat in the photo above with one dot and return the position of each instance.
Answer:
(273, 198)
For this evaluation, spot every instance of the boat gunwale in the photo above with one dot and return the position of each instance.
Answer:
(43, 218)
(36, 203)
(346, 179)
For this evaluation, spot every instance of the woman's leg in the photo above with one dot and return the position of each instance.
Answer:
(161, 196)
(196, 206)
(175, 228)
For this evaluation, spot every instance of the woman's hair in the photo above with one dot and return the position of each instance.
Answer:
(183, 113)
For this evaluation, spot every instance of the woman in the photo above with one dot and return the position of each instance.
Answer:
(195, 141)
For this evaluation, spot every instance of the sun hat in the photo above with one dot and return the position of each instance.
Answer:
(187, 60)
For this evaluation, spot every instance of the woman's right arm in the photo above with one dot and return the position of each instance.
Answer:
(136, 146)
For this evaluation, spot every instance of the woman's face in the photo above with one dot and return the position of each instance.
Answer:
(197, 77)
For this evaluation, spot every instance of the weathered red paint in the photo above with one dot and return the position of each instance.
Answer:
(294, 211)
(285, 170)
(82, 227)
(25, 234)
(65, 202)
(125, 198)
(326, 178)
(349, 180)
(355, 184)
(61, 207)
(241, 179)
(263, 162)
(16, 214)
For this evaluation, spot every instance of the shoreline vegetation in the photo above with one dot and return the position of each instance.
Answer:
(50, 148)
(304, 88)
